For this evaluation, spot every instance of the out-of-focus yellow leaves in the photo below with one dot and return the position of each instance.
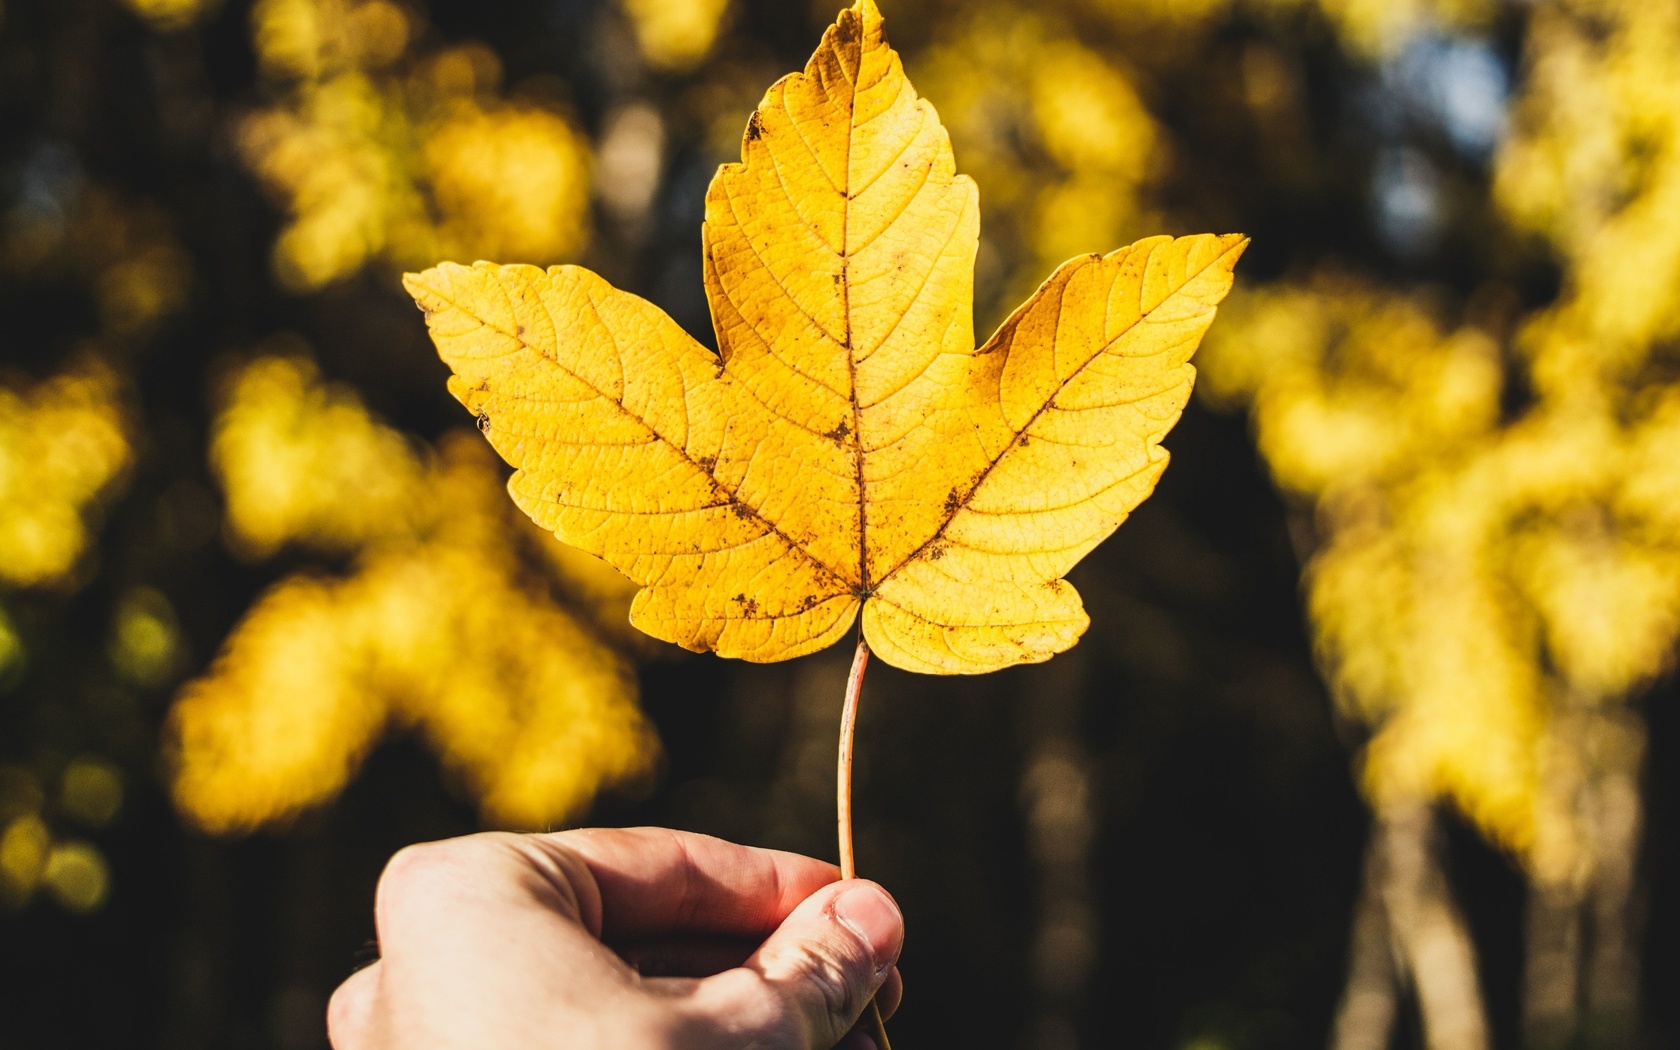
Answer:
(382, 153)
(63, 448)
(301, 461)
(12, 652)
(91, 791)
(171, 14)
(1611, 605)
(485, 167)
(1064, 162)
(24, 843)
(1087, 114)
(1363, 404)
(851, 450)
(65, 453)
(1594, 165)
(1324, 367)
(1489, 587)
(676, 34)
(1650, 489)
(311, 39)
(1377, 27)
(32, 859)
(444, 624)
(77, 876)
(282, 720)
(1149, 11)
(1422, 644)
(145, 645)
(1367, 28)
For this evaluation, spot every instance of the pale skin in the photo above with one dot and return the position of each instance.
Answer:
(619, 938)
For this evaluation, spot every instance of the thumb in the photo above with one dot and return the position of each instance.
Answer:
(808, 984)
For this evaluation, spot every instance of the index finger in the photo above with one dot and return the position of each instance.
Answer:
(656, 882)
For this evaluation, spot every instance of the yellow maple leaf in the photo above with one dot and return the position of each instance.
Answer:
(849, 449)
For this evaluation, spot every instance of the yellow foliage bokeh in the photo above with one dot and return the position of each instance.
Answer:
(1368, 29)
(1490, 586)
(67, 449)
(64, 446)
(1364, 405)
(383, 153)
(171, 14)
(300, 460)
(508, 182)
(32, 859)
(1051, 130)
(441, 624)
(676, 34)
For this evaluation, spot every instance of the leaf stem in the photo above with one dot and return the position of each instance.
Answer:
(843, 787)
(843, 801)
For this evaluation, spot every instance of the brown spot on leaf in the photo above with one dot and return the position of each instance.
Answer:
(755, 127)
(840, 433)
(707, 463)
(749, 606)
(935, 553)
(519, 331)
(953, 500)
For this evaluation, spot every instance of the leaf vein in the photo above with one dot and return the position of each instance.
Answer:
(990, 467)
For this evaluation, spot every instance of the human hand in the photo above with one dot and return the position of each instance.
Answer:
(606, 939)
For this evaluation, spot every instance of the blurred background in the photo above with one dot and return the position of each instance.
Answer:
(1369, 744)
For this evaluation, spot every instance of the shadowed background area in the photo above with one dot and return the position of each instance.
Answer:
(1370, 742)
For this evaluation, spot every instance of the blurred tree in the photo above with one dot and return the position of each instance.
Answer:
(1500, 567)
(67, 451)
(440, 623)
(1454, 342)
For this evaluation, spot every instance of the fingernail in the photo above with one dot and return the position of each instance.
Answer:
(868, 912)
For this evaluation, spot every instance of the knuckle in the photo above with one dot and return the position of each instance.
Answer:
(411, 869)
(426, 872)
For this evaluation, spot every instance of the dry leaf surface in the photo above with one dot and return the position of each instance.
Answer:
(849, 448)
